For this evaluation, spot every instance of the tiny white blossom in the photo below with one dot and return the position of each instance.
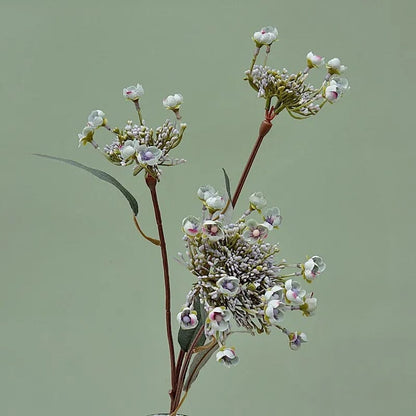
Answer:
(205, 192)
(173, 102)
(296, 339)
(272, 218)
(227, 356)
(255, 232)
(148, 155)
(275, 292)
(309, 305)
(334, 66)
(266, 36)
(213, 230)
(128, 149)
(313, 60)
(134, 92)
(294, 292)
(215, 202)
(187, 318)
(96, 119)
(273, 312)
(228, 285)
(313, 268)
(257, 201)
(332, 93)
(191, 226)
(219, 319)
(86, 136)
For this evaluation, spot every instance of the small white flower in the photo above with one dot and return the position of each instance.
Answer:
(334, 66)
(96, 119)
(148, 155)
(173, 102)
(134, 92)
(128, 149)
(227, 356)
(213, 230)
(336, 88)
(187, 318)
(296, 339)
(257, 201)
(215, 202)
(313, 60)
(191, 226)
(272, 218)
(266, 36)
(294, 292)
(205, 192)
(313, 268)
(340, 83)
(228, 285)
(86, 136)
(273, 312)
(309, 305)
(332, 93)
(219, 319)
(255, 232)
(274, 293)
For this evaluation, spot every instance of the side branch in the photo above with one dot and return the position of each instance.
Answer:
(265, 127)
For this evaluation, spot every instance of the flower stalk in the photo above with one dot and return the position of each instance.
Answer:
(151, 182)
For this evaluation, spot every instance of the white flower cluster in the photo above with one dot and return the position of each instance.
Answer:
(291, 91)
(138, 144)
(146, 149)
(238, 275)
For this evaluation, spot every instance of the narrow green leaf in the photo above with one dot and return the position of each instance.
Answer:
(199, 360)
(227, 184)
(100, 175)
(186, 336)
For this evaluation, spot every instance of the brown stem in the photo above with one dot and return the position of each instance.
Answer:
(265, 127)
(184, 369)
(151, 183)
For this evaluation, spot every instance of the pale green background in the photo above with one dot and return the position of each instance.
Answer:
(80, 298)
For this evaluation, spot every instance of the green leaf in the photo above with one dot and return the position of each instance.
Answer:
(227, 184)
(199, 360)
(100, 175)
(186, 336)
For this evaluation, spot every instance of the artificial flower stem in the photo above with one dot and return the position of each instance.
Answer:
(151, 182)
(139, 112)
(184, 369)
(265, 127)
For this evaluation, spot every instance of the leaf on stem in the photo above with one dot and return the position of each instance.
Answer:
(199, 360)
(100, 175)
(186, 336)
(227, 184)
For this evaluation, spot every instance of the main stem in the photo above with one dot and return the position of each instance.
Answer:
(151, 183)
(265, 127)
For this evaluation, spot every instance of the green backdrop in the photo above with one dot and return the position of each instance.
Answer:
(80, 294)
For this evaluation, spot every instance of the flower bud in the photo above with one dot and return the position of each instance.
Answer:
(334, 66)
(313, 61)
